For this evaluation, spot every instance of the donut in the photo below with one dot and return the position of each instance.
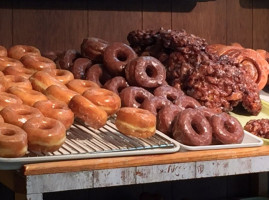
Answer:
(37, 62)
(44, 134)
(6, 62)
(17, 51)
(67, 58)
(165, 118)
(55, 92)
(19, 71)
(3, 51)
(154, 104)
(14, 80)
(227, 129)
(98, 74)
(185, 101)
(116, 84)
(28, 96)
(62, 75)
(80, 86)
(80, 66)
(93, 48)
(1, 74)
(56, 110)
(169, 92)
(19, 114)
(13, 141)
(192, 128)
(104, 99)
(7, 99)
(88, 112)
(116, 56)
(134, 96)
(136, 122)
(41, 80)
(145, 71)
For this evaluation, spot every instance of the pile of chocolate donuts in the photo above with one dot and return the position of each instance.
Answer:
(140, 81)
(38, 102)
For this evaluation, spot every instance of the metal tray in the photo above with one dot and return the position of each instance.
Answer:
(83, 142)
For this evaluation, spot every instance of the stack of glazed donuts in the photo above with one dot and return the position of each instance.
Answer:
(141, 83)
(38, 102)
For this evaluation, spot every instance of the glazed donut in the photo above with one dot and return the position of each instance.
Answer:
(104, 99)
(116, 84)
(44, 134)
(19, 71)
(80, 66)
(97, 74)
(14, 80)
(93, 48)
(169, 92)
(18, 51)
(80, 86)
(145, 71)
(56, 110)
(19, 114)
(154, 104)
(192, 128)
(227, 129)
(89, 113)
(42, 80)
(37, 62)
(55, 92)
(28, 96)
(165, 118)
(62, 75)
(6, 62)
(136, 122)
(3, 51)
(185, 101)
(116, 56)
(7, 99)
(13, 141)
(134, 96)
(67, 58)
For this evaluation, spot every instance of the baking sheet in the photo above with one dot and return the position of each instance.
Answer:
(249, 140)
(83, 142)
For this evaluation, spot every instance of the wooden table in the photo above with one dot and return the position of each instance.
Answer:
(35, 179)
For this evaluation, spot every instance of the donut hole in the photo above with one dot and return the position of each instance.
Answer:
(139, 99)
(24, 112)
(197, 127)
(57, 106)
(46, 126)
(151, 71)
(171, 97)
(8, 132)
(229, 126)
(121, 56)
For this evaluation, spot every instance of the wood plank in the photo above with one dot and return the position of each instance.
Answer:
(113, 21)
(50, 26)
(157, 14)
(260, 24)
(131, 161)
(239, 22)
(6, 23)
(206, 19)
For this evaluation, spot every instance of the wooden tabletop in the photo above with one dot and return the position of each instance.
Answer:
(133, 161)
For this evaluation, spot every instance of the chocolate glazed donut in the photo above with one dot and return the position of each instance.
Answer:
(116, 56)
(168, 92)
(97, 74)
(116, 84)
(227, 129)
(154, 104)
(145, 71)
(80, 67)
(165, 118)
(93, 48)
(134, 96)
(67, 58)
(185, 101)
(192, 128)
